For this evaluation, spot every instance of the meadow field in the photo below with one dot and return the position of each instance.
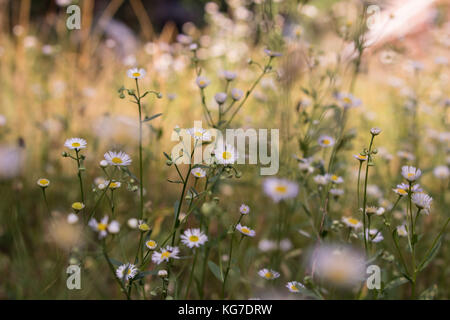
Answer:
(99, 201)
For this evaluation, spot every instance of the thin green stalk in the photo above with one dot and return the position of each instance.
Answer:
(230, 252)
(45, 200)
(365, 191)
(186, 296)
(111, 267)
(141, 181)
(79, 174)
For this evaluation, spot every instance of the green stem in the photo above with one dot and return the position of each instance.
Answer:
(365, 192)
(111, 267)
(141, 182)
(191, 275)
(79, 175)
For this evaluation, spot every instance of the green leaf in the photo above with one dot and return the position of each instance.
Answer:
(178, 181)
(430, 293)
(215, 270)
(167, 156)
(152, 117)
(143, 274)
(431, 255)
(115, 262)
(395, 283)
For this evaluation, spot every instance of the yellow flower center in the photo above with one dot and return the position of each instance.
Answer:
(326, 141)
(294, 288)
(165, 254)
(410, 175)
(401, 191)
(334, 177)
(245, 230)
(116, 160)
(113, 185)
(77, 206)
(136, 74)
(129, 271)
(151, 243)
(353, 221)
(198, 174)
(75, 144)
(43, 181)
(281, 189)
(227, 155)
(193, 238)
(198, 134)
(268, 275)
(202, 82)
(102, 226)
(144, 227)
(347, 100)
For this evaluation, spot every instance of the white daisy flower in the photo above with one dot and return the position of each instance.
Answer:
(294, 286)
(113, 184)
(352, 222)
(401, 231)
(200, 134)
(72, 218)
(267, 245)
(335, 179)
(280, 189)
(422, 201)
(338, 265)
(77, 206)
(229, 75)
(43, 182)
(441, 172)
(143, 226)
(374, 235)
(347, 100)
(336, 192)
(151, 244)
(133, 223)
(400, 191)
(103, 227)
(285, 245)
(225, 154)
(165, 254)
(236, 94)
(245, 230)
(198, 172)
(360, 157)
(411, 173)
(103, 163)
(325, 141)
(268, 274)
(375, 131)
(75, 143)
(163, 273)
(135, 73)
(193, 238)
(321, 179)
(117, 158)
(202, 82)
(244, 209)
(272, 54)
(371, 210)
(220, 97)
(127, 271)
